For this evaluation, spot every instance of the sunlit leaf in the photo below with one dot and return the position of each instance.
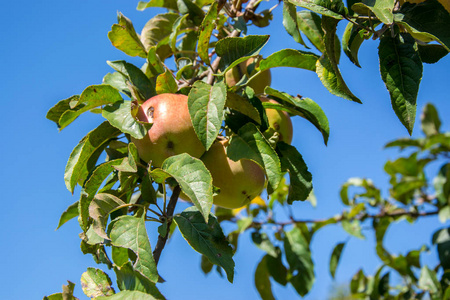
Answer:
(93, 96)
(120, 116)
(193, 177)
(85, 154)
(96, 283)
(129, 232)
(124, 37)
(101, 206)
(334, 9)
(290, 21)
(290, 58)
(169, 4)
(382, 9)
(234, 50)
(206, 30)
(70, 213)
(206, 105)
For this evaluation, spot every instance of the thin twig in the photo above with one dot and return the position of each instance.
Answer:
(170, 209)
(340, 218)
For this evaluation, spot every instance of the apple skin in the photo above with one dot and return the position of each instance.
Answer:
(258, 84)
(280, 121)
(172, 132)
(239, 182)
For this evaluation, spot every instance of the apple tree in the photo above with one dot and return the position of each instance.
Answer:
(200, 55)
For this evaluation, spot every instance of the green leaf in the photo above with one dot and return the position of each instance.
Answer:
(298, 256)
(326, 66)
(234, 50)
(262, 280)
(135, 76)
(95, 180)
(165, 83)
(96, 283)
(305, 108)
(169, 4)
(427, 21)
(206, 104)
(193, 177)
(441, 239)
(70, 213)
(382, 9)
(206, 29)
(401, 71)
(431, 124)
(431, 53)
(93, 96)
(251, 144)
(442, 185)
(263, 242)
(334, 9)
(351, 41)
(129, 232)
(300, 178)
(101, 206)
(353, 228)
(276, 268)
(290, 58)
(190, 9)
(124, 37)
(428, 281)
(176, 27)
(129, 295)
(156, 32)
(310, 24)
(55, 113)
(358, 283)
(206, 265)
(117, 81)
(207, 239)
(120, 116)
(155, 65)
(131, 280)
(84, 156)
(335, 257)
(67, 293)
(290, 21)
(242, 105)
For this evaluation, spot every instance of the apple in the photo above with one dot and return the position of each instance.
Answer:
(280, 121)
(239, 182)
(172, 132)
(258, 84)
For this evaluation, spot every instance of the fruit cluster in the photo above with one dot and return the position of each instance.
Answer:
(172, 133)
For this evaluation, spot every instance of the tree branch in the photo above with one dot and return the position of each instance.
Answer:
(169, 214)
(340, 218)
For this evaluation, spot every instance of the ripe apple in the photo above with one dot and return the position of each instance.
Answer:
(258, 84)
(280, 121)
(172, 132)
(239, 182)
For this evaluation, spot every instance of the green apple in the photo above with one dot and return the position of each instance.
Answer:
(172, 132)
(239, 182)
(258, 84)
(280, 121)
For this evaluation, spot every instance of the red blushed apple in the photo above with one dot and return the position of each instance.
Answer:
(172, 132)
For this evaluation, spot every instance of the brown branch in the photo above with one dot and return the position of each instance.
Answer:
(169, 214)
(339, 218)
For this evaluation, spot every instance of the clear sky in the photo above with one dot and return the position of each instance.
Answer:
(51, 50)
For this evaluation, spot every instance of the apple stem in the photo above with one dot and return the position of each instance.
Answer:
(170, 209)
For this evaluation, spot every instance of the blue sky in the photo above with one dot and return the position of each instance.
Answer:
(54, 49)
